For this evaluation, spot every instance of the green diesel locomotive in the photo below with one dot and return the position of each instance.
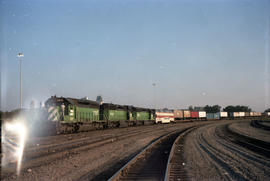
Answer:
(73, 115)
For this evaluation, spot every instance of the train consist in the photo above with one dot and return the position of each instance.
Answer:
(72, 115)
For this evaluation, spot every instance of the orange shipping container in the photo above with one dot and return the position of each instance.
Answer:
(186, 114)
(178, 114)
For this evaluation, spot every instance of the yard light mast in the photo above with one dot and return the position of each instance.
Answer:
(20, 56)
(154, 85)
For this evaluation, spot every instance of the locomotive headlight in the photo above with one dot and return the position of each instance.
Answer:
(13, 142)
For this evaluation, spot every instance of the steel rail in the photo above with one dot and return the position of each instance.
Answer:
(124, 170)
(170, 159)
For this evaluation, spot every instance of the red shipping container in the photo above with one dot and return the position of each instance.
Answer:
(194, 114)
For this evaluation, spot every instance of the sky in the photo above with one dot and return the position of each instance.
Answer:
(195, 52)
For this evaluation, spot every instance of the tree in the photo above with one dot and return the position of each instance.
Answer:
(237, 108)
(207, 109)
(212, 109)
(267, 110)
(229, 109)
(165, 110)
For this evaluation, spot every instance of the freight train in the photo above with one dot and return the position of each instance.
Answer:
(73, 115)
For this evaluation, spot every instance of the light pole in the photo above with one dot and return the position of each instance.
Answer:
(20, 55)
(154, 85)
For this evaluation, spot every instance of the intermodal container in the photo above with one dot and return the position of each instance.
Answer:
(251, 113)
(186, 114)
(247, 114)
(257, 114)
(241, 114)
(178, 114)
(202, 114)
(212, 116)
(268, 113)
(223, 114)
(194, 114)
(234, 114)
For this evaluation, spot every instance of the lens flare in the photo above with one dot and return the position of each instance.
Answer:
(13, 142)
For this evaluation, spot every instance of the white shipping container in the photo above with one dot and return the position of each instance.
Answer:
(236, 114)
(258, 114)
(268, 113)
(202, 114)
(251, 113)
(223, 114)
(241, 114)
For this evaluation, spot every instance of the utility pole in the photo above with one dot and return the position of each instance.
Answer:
(20, 56)
(154, 86)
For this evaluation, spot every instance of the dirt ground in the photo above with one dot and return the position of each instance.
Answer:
(210, 154)
(84, 156)
(245, 128)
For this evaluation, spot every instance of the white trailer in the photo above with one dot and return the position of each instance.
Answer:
(223, 114)
(164, 117)
(241, 114)
(202, 114)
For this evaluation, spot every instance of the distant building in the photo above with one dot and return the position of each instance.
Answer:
(99, 99)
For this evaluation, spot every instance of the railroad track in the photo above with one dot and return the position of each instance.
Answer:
(253, 144)
(260, 124)
(213, 153)
(176, 165)
(156, 161)
(35, 157)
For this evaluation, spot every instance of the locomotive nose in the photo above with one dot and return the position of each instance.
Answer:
(53, 114)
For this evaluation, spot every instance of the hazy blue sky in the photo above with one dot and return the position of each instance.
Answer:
(197, 52)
